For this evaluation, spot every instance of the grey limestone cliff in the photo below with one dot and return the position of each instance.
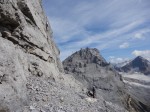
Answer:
(29, 58)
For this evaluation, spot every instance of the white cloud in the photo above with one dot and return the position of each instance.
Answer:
(145, 53)
(113, 35)
(141, 34)
(124, 45)
(115, 60)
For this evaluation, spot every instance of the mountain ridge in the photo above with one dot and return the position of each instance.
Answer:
(138, 64)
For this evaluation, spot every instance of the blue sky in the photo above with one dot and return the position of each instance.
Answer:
(120, 29)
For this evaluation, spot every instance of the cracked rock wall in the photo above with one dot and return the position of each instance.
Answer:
(27, 49)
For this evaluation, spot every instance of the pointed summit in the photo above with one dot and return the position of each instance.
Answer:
(140, 58)
(85, 56)
(139, 62)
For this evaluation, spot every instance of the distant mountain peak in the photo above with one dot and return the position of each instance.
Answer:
(139, 61)
(87, 55)
(140, 58)
(138, 64)
(92, 51)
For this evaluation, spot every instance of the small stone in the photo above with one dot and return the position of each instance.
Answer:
(6, 34)
(37, 99)
(39, 74)
(37, 89)
(16, 34)
(29, 86)
(45, 98)
(32, 108)
(42, 110)
(61, 99)
(15, 79)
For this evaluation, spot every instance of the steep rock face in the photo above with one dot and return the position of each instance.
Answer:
(139, 64)
(27, 50)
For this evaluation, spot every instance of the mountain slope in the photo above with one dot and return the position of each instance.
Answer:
(91, 69)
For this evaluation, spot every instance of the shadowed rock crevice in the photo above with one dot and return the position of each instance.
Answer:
(8, 22)
(28, 47)
(26, 11)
